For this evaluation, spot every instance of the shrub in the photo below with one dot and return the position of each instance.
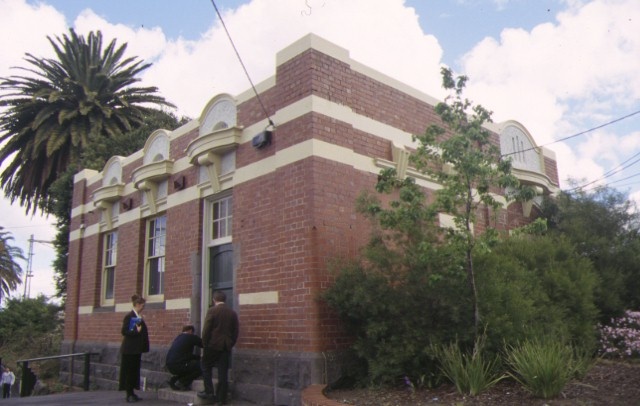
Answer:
(545, 366)
(470, 373)
(621, 339)
(392, 324)
(537, 285)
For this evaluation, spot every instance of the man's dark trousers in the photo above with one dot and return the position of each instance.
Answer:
(221, 360)
(186, 372)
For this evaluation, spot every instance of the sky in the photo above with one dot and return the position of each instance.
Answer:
(562, 68)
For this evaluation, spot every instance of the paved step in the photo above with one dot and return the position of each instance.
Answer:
(184, 397)
(190, 397)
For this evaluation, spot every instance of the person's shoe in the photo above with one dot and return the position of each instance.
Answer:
(172, 385)
(131, 399)
(205, 395)
(136, 397)
(180, 386)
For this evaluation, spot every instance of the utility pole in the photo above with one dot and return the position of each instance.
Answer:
(29, 274)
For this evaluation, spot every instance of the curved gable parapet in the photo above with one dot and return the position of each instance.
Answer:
(516, 143)
(106, 196)
(156, 148)
(220, 113)
(112, 172)
(527, 158)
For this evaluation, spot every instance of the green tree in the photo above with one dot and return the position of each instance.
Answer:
(29, 328)
(61, 106)
(10, 270)
(409, 289)
(604, 226)
(464, 160)
(71, 113)
(130, 141)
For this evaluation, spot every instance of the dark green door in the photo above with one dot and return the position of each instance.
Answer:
(221, 271)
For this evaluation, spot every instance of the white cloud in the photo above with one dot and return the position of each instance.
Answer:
(382, 34)
(145, 43)
(24, 28)
(387, 38)
(564, 77)
(22, 227)
(557, 79)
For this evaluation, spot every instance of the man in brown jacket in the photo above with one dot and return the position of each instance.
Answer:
(219, 335)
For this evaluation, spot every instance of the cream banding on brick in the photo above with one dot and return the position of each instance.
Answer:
(258, 298)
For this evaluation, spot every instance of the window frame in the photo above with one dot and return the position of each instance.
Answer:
(209, 241)
(159, 243)
(109, 264)
(213, 223)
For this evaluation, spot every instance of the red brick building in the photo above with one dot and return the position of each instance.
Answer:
(209, 206)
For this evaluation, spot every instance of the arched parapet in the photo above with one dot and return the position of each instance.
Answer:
(156, 148)
(517, 143)
(220, 113)
(157, 166)
(527, 158)
(219, 137)
(106, 197)
(527, 162)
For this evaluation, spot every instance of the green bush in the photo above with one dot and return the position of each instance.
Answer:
(545, 366)
(532, 286)
(29, 328)
(393, 323)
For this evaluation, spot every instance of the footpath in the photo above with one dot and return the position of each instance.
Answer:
(99, 398)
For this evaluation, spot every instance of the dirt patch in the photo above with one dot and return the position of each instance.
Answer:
(607, 383)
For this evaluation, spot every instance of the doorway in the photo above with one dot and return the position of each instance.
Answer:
(221, 271)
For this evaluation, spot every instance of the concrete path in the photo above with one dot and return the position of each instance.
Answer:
(98, 398)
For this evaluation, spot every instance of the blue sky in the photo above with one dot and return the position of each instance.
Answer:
(559, 67)
(458, 24)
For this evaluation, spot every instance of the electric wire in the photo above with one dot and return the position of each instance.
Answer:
(607, 174)
(577, 134)
(594, 128)
(611, 172)
(264, 110)
(590, 187)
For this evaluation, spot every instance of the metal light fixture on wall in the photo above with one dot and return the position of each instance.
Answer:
(263, 139)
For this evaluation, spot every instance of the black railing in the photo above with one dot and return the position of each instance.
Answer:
(28, 378)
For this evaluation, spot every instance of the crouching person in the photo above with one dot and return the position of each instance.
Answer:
(181, 360)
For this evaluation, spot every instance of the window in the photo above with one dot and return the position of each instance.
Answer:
(156, 240)
(219, 258)
(221, 216)
(109, 267)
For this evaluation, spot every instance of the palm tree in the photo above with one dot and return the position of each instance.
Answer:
(10, 270)
(60, 106)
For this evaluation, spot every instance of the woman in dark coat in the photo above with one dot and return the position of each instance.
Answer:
(135, 342)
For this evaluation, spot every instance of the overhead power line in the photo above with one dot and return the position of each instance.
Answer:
(612, 172)
(594, 128)
(607, 174)
(577, 134)
(242, 63)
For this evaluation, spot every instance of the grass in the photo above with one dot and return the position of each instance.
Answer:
(545, 367)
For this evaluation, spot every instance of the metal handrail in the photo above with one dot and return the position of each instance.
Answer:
(25, 369)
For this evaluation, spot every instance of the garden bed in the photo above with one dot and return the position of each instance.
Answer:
(607, 383)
